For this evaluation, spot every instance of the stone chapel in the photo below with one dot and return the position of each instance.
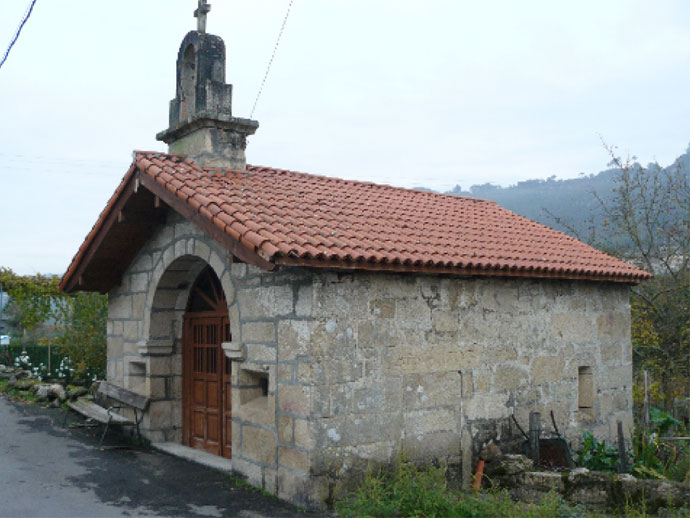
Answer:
(302, 327)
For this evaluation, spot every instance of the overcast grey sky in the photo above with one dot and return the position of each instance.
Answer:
(432, 93)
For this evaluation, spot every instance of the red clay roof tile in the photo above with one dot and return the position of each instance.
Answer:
(296, 218)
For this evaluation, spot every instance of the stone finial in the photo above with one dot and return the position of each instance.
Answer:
(201, 121)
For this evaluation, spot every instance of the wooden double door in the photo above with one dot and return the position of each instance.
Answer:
(206, 398)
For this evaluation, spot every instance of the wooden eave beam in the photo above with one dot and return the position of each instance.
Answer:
(110, 219)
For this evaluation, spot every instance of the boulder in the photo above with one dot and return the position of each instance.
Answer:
(515, 464)
(7, 374)
(51, 392)
(76, 392)
(25, 384)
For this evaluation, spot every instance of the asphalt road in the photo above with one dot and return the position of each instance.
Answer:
(47, 470)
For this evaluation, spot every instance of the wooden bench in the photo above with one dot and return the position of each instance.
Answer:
(124, 399)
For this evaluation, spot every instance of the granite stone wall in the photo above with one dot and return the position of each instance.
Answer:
(434, 367)
(362, 367)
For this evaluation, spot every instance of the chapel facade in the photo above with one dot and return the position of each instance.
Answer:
(304, 327)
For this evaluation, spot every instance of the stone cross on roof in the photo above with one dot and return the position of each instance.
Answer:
(200, 14)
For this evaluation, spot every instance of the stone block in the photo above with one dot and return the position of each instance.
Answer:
(270, 480)
(509, 377)
(160, 414)
(294, 399)
(293, 487)
(259, 332)
(487, 406)
(432, 446)
(285, 372)
(307, 372)
(260, 410)
(616, 377)
(142, 263)
(131, 330)
(293, 459)
(413, 359)
(115, 346)
(118, 327)
(572, 327)
(120, 307)
(432, 390)
(258, 444)
(165, 298)
(413, 312)
(303, 306)
(294, 339)
(547, 369)
(261, 353)
(218, 262)
(139, 282)
(157, 388)
(367, 428)
(249, 470)
(238, 270)
(382, 308)
(420, 422)
(285, 429)
(500, 353)
(159, 365)
(139, 305)
(265, 302)
(613, 326)
(180, 247)
(184, 228)
(611, 352)
(228, 287)
(304, 435)
(445, 321)
(369, 399)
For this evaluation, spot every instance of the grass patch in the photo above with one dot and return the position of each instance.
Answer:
(241, 482)
(408, 491)
(24, 395)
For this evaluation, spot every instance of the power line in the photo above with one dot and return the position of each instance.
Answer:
(19, 30)
(270, 61)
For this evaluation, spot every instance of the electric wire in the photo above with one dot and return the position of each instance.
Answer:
(270, 61)
(19, 30)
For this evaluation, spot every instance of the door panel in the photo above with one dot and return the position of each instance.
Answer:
(206, 371)
(205, 396)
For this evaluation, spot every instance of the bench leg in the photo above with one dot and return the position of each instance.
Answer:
(105, 430)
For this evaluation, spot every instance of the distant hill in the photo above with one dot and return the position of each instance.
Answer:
(571, 200)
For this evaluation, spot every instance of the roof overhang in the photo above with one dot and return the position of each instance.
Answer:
(138, 206)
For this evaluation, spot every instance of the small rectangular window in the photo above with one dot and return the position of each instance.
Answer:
(585, 388)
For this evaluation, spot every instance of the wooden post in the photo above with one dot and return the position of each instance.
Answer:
(645, 409)
(534, 431)
(622, 456)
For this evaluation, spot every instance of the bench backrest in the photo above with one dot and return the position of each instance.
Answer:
(123, 395)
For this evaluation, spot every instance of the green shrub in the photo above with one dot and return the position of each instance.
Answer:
(596, 455)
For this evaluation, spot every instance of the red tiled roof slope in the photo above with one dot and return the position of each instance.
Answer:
(295, 218)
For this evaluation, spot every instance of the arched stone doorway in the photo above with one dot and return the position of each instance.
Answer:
(206, 398)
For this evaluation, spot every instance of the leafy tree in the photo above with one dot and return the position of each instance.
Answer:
(79, 319)
(81, 327)
(647, 222)
(32, 299)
